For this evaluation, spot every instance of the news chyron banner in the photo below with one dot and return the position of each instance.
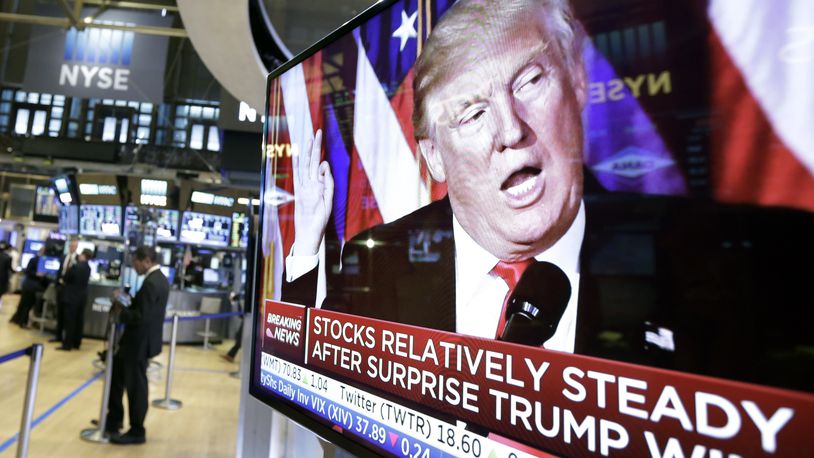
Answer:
(522, 228)
(98, 62)
(419, 392)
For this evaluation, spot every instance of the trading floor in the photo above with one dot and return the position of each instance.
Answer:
(69, 394)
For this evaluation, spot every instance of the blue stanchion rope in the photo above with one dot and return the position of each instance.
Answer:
(15, 355)
(212, 316)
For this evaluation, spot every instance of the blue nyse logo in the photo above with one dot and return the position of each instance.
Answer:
(97, 57)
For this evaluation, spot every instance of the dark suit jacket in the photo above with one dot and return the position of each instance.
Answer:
(5, 271)
(144, 319)
(74, 289)
(32, 282)
(731, 282)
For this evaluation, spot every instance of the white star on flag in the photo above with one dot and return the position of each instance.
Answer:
(407, 29)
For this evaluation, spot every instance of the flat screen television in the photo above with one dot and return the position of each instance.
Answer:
(69, 219)
(48, 266)
(32, 246)
(205, 229)
(523, 227)
(211, 277)
(46, 203)
(166, 222)
(66, 189)
(100, 220)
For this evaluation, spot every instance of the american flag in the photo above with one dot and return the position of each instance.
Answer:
(358, 90)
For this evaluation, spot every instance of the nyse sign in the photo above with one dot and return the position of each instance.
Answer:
(103, 56)
(101, 77)
(650, 85)
(98, 62)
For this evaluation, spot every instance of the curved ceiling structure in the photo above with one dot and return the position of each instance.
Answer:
(221, 34)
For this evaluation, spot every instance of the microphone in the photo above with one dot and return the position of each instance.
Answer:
(536, 305)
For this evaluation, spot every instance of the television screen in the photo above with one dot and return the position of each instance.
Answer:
(205, 229)
(525, 228)
(48, 266)
(211, 277)
(69, 219)
(153, 192)
(46, 203)
(32, 246)
(166, 222)
(100, 220)
(66, 191)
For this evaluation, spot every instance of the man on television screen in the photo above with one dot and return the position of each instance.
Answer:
(518, 253)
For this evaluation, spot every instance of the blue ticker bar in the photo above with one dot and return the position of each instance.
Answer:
(362, 426)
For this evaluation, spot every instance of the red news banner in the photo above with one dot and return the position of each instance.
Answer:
(563, 403)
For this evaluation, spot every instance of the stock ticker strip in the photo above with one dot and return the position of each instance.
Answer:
(8, 443)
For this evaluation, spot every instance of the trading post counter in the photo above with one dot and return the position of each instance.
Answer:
(186, 302)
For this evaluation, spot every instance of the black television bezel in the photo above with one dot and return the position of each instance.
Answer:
(296, 414)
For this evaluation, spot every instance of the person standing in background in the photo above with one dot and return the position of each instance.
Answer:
(69, 259)
(33, 283)
(5, 270)
(232, 353)
(143, 325)
(73, 296)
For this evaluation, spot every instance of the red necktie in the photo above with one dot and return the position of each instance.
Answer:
(510, 272)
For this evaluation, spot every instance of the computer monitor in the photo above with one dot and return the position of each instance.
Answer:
(100, 220)
(211, 277)
(69, 219)
(32, 246)
(205, 229)
(166, 222)
(49, 266)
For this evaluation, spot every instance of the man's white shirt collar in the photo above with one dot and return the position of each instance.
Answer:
(152, 269)
(473, 265)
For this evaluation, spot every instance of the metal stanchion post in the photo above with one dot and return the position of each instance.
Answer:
(167, 402)
(206, 345)
(30, 397)
(98, 434)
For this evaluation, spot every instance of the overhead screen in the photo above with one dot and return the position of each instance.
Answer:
(525, 230)
(166, 222)
(69, 219)
(100, 220)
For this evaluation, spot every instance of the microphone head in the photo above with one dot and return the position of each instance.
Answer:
(536, 306)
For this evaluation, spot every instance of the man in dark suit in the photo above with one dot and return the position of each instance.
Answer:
(658, 281)
(67, 262)
(33, 282)
(72, 296)
(143, 325)
(5, 269)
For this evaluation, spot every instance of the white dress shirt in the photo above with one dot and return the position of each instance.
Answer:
(480, 293)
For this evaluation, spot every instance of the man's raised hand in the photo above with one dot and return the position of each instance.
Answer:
(313, 197)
